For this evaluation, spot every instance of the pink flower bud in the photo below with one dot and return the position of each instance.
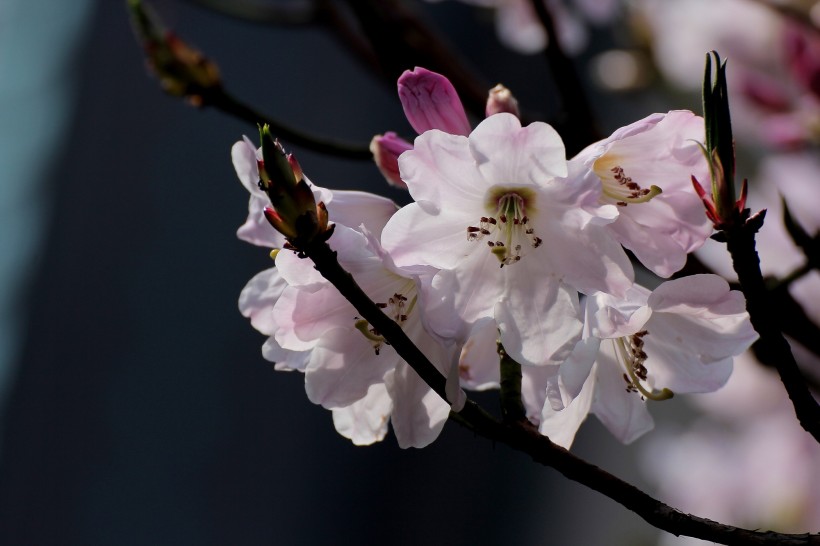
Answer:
(501, 99)
(386, 150)
(803, 57)
(430, 102)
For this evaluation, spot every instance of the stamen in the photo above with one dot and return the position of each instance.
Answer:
(509, 224)
(623, 190)
(630, 353)
(370, 334)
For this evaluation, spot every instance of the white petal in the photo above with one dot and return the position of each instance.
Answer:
(535, 382)
(576, 369)
(584, 255)
(285, 360)
(258, 298)
(243, 155)
(441, 169)
(365, 422)
(419, 413)
(663, 231)
(478, 362)
(622, 412)
(342, 367)
(608, 316)
(561, 426)
(510, 155)
(256, 230)
(303, 317)
(539, 319)
(354, 208)
(422, 234)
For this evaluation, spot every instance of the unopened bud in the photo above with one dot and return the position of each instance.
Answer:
(501, 99)
(182, 70)
(722, 206)
(295, 213)
(386, 150)
(430, 102)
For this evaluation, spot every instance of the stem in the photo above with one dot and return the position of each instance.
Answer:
(512, 407)
(577, 125)
(772, 348)
(221, 100)
(288, 13)
(523, 436)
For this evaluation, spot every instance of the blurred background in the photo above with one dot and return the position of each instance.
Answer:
(136, 406)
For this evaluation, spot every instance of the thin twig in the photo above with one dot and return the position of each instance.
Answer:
(524, 437)
(294, 12)
(221, 100)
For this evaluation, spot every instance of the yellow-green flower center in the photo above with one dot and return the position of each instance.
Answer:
(507, 226)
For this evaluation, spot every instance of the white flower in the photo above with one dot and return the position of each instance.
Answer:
(513, 242)
(680, 338)
(645, 169)
(350, 365)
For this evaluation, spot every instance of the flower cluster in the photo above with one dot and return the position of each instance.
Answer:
(503, 242)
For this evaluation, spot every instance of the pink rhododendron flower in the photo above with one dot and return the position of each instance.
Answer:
(513, 242)
(680, 338)
(645, 169)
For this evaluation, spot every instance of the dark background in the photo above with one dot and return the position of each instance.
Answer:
(141, 411)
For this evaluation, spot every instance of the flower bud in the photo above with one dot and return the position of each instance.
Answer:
(430, 102)
(501, 99)
(295, 213)
(386, 150)
(722, 205)
(182, 70)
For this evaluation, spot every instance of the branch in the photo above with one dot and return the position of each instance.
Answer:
(523, 436)
(577, 125)
(295, 12)
(772, 348)
(185, 72)
(223, 101)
